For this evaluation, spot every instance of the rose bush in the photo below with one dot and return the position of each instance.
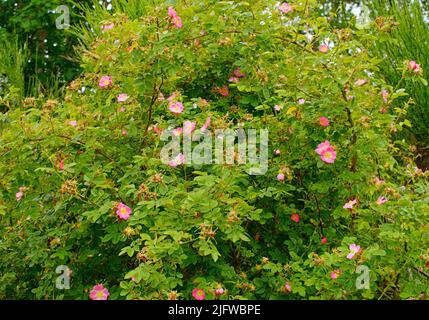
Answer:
(83, 184)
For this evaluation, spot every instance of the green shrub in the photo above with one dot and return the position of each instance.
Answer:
(71, 163)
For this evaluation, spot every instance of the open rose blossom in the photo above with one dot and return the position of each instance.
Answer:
(288, 287)
(188, 127)
(198, 294)
(177, 160)
(105, 81)
(353, 250)
(177, 22)
(176, 107)
(323, 121)
(414, 66)
(19, 195)
(171, 12)
(326, 152)
(324, 240)
(324, 48)
(281, 177)
(381, 200)
(285, 7)
(177, 132)
(123, 211)
(277, 108)
(123, 97)
(99, 292)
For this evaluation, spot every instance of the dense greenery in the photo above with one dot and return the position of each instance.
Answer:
(83, 184)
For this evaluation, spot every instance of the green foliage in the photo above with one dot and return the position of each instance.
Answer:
(402, 25)
(212, 226)
(50, 49)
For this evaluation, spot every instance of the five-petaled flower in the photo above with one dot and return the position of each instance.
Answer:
(381, 200)
(323, 121)
(177, 160)
(350, 204)
(176, 107)
(123, 97)
(198, 294)
(324, 48)
(188, 127)
(353, 250)
(326, 152)
(105, 81)
(285, 7)
(99, 292)
(123, 211)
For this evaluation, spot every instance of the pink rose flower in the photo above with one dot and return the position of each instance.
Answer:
(350, 204)
(281, 177)
(234, 80)
(177, 161)
(171, 12)
(19, 195)
(285, 8)
(188, 127)
(176, 107)
(301, 101)
(123, 97)
(324, 48)
(177, 22)
(288, 287)
(73, 123)
(198, 294)
(353, 250)
(381, 200)
(123, 211)
(277, 108)
(99, 292)
(105, 81)
(323, 121)
(177, 132)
